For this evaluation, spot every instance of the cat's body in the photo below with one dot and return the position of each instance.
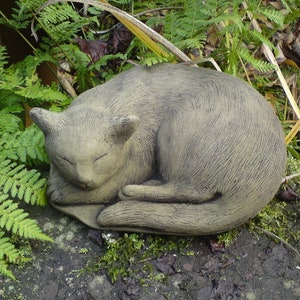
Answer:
(211, 142)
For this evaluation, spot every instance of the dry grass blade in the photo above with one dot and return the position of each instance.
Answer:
(140, 34)
(292, 132)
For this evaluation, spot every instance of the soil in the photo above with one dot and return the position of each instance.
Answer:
(253, 267)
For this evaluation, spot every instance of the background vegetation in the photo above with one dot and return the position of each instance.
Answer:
(79, 46)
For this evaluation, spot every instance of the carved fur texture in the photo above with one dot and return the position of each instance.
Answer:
(168, 149)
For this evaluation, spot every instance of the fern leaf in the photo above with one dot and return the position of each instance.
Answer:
(4, 269)
(8, 185)
(272, 14)
(24, 146)
(8, 254)
(16, 220)
(8, 251)
(9, 122)
(3, 57)
(29, 229)
(9, 210)
(262, 38)
(33, 89)
(62, 22)
(260, 65)
(15, 178)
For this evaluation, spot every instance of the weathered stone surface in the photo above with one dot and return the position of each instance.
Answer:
(212, 142)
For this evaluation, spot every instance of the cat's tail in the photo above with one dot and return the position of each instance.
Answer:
(178, 219)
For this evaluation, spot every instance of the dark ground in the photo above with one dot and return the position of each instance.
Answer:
(253, 267)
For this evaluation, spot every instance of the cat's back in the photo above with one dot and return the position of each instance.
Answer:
(151, 93)
(145, 87)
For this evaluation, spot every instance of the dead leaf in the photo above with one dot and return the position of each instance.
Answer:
(120, 39)
(67, 81)
(288, 195)
(166, 264)
(290, 54)
(217, 246)
(95, 49)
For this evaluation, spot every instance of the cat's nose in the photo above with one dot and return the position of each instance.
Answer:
(86, 185)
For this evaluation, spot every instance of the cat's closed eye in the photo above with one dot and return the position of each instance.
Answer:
(67, 160)
(99, 157)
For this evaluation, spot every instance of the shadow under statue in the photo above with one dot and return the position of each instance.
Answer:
(168, 149)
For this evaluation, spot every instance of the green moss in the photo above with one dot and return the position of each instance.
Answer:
(136, 250)
(279, 219)
(228, 237)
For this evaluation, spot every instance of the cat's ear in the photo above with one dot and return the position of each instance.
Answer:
(123, 127)
(47, 121)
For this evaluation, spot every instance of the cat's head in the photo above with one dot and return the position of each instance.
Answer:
(86, 146)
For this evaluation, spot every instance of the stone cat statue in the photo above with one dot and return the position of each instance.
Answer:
(168, 149)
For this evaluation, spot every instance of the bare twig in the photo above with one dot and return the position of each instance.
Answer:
(202, 60)
(289, 246)
(290, 177)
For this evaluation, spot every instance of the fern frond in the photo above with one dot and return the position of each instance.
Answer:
(150, 60)
(62, 22)
(260, 65)
(262, 38)
(272, 14)
(9, 122)
(10, 79)
(26, 184)
(25, 146)
(8, 251)
(10, 102)
(3, 58)
(4, 269)
(14, 219)
(31, 4)
(22, 13)
(33, 89)
(196, 42)
(20, 83)
(287, 5)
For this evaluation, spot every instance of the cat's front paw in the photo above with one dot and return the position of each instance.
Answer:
(54, 193)
(58, 190)
(129, 192)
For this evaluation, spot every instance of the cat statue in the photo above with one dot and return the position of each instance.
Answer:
(168, 149)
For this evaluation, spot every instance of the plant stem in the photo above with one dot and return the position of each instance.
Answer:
(17, 30)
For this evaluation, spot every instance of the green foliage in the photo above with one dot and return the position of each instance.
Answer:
(8, 122)
(25, 146)
(258, 64)
(21, 152)
(62, 22)
(120, 253)
(18, 181)
(278, 219)
(14, 219)
(223, 25)
(20, 84)
(130, 249)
